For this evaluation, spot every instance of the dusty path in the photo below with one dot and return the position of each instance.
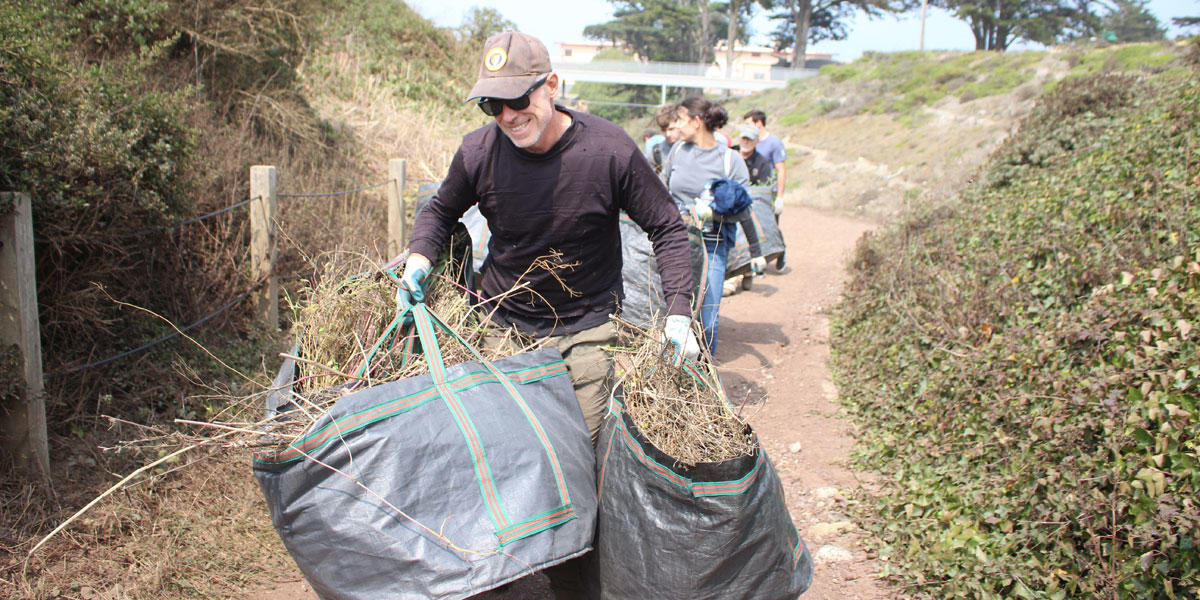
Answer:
(774, 348)
(774, 351)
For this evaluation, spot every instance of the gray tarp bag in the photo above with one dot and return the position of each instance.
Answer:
(643, 304)
(715, 531)
(479, 474)
(770, 238)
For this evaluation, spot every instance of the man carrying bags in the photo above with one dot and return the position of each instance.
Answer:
(552, 183)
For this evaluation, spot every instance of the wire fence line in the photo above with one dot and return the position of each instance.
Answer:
(181, 224)
(156, 342)
(343, 193)
(220, 310)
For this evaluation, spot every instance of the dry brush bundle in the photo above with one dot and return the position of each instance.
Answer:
(681, 410)
(350, 336)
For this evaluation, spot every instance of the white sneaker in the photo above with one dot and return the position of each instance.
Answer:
(730, 287)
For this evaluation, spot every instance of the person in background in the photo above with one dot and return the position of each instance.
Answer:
(651, 137)
(771, 146)
(760, 175)
(693, 164)
(658, 153)
(552, 182)
(759, 166)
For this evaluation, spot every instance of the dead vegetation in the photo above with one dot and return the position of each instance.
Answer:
(681, 410)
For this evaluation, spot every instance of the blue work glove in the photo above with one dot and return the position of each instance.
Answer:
(677, 332)
(758, 265)
(412, 283)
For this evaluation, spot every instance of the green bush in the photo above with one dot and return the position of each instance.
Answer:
(1024, 363)
(1150, 56)
(87, 139)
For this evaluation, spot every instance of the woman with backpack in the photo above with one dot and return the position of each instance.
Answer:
(707, 180)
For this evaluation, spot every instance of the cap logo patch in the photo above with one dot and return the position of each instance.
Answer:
(495, 59)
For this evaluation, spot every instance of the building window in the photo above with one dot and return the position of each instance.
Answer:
(759, 75)
(756, 54)
(566, 51)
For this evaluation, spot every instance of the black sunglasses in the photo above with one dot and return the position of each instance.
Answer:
(494, 106)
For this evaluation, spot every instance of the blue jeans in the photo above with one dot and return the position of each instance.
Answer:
(716, 253)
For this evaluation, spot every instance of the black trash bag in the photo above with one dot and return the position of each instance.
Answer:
(643, 304)
(716, 531)
(479, 474)
(770, 238)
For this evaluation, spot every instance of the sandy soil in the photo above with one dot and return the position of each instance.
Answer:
(773, 352)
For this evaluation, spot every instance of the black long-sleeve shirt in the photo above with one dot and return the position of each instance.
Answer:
(562, 206)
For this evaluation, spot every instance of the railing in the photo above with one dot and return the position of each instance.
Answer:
(678, 69)
(630, 66)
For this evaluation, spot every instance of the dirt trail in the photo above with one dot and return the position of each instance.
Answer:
(773, 354)
(774, 351)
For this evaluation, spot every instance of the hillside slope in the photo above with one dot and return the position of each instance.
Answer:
(1021, 357)
(891, 132)
(188, 531)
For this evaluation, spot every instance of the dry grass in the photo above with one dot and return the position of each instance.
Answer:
(196, 528)
(181, 531)
(352, 338)
(361, 104)
(170, 528)
(682, 411)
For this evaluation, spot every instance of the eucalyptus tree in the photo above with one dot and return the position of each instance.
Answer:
(738, 13)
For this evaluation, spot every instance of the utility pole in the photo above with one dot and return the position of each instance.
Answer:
(924, 5)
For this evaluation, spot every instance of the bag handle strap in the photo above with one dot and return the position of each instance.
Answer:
(426, 321)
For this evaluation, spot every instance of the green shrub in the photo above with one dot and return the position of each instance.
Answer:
(94, 140)
(1150, 56)
(839, 73)
(1024, 364)
(1063, 121)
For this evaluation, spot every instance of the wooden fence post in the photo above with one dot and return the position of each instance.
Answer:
(397, 240)
(23, 430)
(264, 228)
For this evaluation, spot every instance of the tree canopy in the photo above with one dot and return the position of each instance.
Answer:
(480, 23)
(996, 24)
(664, 30)
(803, 21)
(1129, 21)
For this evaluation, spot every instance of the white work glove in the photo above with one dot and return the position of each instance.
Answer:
(702, 210)
(758, 265)
(412, 283)
(677, 332)
(778, 204)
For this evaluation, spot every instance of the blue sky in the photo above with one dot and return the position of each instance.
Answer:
(564, 20)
